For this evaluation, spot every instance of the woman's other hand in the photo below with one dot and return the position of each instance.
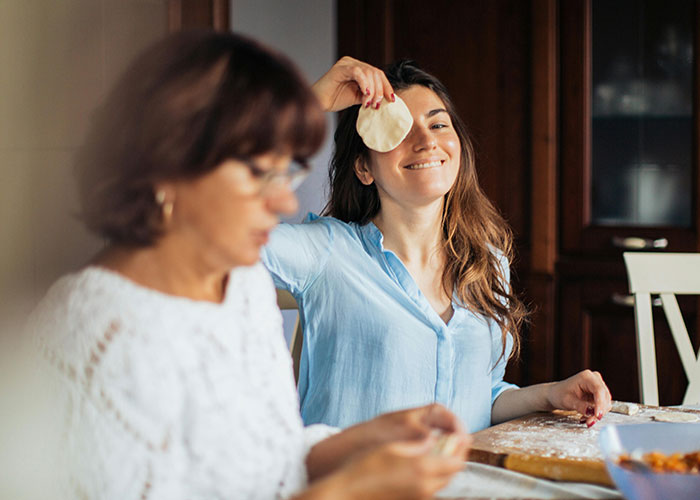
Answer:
(405, 425)
(584, 392)
(351, 82)
(401, 469)
(415, 423)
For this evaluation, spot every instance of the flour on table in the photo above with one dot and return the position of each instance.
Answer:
(561, 434)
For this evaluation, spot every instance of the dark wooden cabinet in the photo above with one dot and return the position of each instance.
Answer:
(480, 51)
(629, 149)
(628, 175)
(550, 125)
(188, 14)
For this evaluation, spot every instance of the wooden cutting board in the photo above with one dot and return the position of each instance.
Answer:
(554, 445)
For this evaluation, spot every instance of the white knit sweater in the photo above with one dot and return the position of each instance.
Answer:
(163, 397)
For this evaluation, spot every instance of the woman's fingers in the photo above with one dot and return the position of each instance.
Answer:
(378, 89)
(401, 469)
(351, 82)
(437, 416)
(588, 395)
(364, 81)
(427, 463)
(601, 396)
(388, 89)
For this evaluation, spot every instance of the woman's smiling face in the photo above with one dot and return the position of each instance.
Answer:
(423, 168)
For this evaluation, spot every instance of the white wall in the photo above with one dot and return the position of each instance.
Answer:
(305, 31)
(58, 58)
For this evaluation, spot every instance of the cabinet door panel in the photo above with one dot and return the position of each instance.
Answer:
(629, 126)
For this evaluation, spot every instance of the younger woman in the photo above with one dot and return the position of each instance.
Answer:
(403, 287)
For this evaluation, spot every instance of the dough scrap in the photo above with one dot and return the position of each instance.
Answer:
(675, 416)
(383, 129)
(446, 445)
(624, 408)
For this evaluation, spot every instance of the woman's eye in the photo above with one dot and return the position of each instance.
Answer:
(438, 125)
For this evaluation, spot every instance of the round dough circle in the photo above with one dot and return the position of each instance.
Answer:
(383, 129)
(675, 416)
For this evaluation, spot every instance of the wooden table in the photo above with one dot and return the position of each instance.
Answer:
(554, 445)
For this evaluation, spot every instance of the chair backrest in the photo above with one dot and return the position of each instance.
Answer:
(285, 301)
(668, 275)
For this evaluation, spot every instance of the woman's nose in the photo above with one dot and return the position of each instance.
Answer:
(282, 200)
(422, 138)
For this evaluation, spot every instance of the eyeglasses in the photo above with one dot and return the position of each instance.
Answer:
(293, 177)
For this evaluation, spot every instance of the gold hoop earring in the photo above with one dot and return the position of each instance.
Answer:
(166, 207)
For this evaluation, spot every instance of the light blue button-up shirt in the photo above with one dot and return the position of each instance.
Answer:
(372, 341)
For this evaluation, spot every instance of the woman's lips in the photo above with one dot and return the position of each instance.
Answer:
(425, 164)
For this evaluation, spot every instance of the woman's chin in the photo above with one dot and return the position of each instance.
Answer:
(429, 196)
(245, 259)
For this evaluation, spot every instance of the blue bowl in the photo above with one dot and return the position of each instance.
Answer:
(654, 436)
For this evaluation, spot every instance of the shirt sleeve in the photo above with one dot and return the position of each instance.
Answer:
(297, 253)
(498, 385)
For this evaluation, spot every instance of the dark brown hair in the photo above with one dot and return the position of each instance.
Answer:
(184, 106)
(475, 236)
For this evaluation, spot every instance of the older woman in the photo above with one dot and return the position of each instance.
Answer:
(404, 286)
(173, 376)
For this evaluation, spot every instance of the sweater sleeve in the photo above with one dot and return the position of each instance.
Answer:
(314, 434)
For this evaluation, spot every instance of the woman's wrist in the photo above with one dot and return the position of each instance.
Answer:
(334, 486)
(327, 455)
(323, 99)
(549, 400)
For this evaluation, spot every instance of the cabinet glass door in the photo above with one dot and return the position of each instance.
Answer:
(641, 112)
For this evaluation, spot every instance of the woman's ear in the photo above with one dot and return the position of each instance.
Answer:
(362, 172)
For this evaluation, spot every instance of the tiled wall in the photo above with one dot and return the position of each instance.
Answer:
(57, 59)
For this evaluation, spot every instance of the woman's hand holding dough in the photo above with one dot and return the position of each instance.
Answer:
(351, 82)
(584, 392)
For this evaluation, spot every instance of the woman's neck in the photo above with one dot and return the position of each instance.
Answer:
(168, 269)
(414, 234)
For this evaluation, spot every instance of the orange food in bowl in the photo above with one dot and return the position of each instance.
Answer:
(680, 463)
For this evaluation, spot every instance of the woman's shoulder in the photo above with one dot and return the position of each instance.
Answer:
(498, 253)
(313, 222)
(88, 330)
(86, 312)
(502, 259)
(316, 232)
(72, 300)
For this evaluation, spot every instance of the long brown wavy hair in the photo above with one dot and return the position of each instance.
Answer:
(476, 237)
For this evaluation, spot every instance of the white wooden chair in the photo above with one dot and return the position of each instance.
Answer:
(285, 301)
(666, 274)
